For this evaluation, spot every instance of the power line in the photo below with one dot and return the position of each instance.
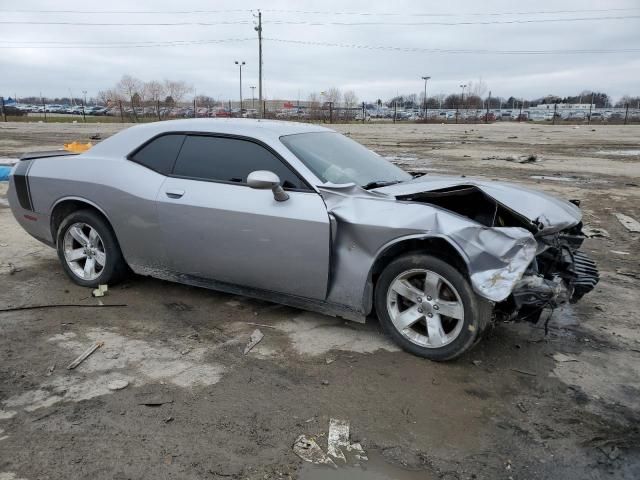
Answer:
(7, 44)
(456, 14)
(324, 12)
(443, 23)
(456, 51)
(313, 23)
(141, 44)
(126, 24)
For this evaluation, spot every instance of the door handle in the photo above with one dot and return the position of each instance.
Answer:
(174, 193)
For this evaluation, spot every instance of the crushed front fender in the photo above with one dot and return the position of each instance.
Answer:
(368, 223)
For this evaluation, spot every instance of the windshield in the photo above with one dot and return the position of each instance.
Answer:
(334, 158)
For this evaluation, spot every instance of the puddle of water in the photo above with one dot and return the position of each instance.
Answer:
(374, 469)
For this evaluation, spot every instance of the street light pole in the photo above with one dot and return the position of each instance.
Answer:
(462, 98)
(425, 96)
(240, 64)
(253, 96)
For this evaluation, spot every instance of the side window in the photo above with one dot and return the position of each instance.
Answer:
(160, 154)
(229, 160)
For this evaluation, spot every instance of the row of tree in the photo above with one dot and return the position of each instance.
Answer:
(134, 93)
(138, 93)
(473, 96)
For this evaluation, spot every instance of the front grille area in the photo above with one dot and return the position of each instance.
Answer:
(586, 275)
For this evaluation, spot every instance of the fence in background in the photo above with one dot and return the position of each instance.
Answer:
(326, 113)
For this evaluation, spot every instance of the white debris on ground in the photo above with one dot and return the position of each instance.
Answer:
(338, 438)
(7, 414)
(2, 435)
(254, 339)
(561, 357)
(100, 291)
(309, 451)
(629, 223)
(10, 476)
(594, 232)
(339, 446)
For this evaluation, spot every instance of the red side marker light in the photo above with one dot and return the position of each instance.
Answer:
(31, 217)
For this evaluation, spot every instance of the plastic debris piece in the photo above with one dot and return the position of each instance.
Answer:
(117, 384)
(309, 451)
(100, 291)
(561, 357)
(338, 438)
(77, 147)
(84, 355)
(595, 232)
(629, 223)
(254, 339)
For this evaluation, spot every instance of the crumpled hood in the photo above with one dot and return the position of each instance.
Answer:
(553, 213)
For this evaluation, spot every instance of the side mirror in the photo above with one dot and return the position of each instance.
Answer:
(264, 179)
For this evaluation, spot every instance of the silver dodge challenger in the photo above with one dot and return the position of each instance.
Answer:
(301, 215)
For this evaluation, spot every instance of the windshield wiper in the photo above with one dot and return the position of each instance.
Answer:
(379, 183)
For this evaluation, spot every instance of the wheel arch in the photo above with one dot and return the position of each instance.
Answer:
(65, 206)
(433, 244)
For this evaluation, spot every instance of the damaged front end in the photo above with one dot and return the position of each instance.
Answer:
(558, 273)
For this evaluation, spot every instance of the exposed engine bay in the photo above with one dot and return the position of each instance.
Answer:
(560, 273)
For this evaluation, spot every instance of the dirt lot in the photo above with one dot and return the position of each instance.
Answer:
(197, 408)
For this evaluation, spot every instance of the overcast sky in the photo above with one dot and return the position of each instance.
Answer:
(294, 70)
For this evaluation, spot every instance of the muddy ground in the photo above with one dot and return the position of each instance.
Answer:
(197, 408)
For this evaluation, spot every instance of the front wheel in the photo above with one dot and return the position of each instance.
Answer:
(428, 307)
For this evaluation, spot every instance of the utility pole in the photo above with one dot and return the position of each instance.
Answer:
(590, 107)
(240, 64)
(555, 112)
(426, 79)
(486, 118)
(84, 102)
(520, 115)
(258, 29)
(253, 96)
(462, 98)
(626, 115)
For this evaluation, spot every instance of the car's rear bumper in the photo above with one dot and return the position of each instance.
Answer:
(38, 225)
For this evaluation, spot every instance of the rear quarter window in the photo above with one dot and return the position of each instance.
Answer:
(160, 153)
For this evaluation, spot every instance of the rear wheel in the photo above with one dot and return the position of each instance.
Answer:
(428, 307)
(88, 250)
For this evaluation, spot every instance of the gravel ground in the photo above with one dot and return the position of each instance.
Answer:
(196, 408)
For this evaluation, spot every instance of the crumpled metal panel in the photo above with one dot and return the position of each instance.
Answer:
(369, 222)
(553, 214)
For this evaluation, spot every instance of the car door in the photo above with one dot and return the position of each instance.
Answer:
(215, 226)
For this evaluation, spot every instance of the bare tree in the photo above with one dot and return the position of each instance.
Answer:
(155, 93)
(130, 88)
(109, 97)
(333, 95)
(477, 89)
(177, 89)
(350, 99)
(314, 104)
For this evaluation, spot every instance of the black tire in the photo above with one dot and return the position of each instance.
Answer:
(115, 268)
(477, 311)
